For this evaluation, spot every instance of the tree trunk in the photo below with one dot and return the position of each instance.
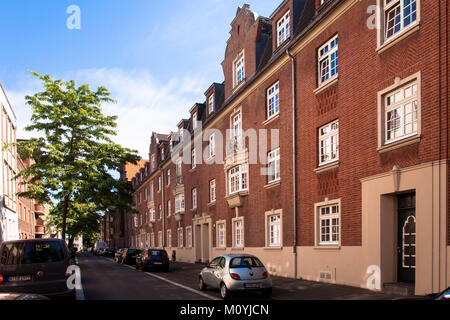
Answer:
(65, 210)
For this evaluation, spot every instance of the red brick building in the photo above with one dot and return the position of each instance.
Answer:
(352, 187)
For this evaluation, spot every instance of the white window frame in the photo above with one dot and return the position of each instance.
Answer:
(211, 105)
(179, 203)
(169, 238)
(212, 145)
(328, 222)
(328, 143)
(194, 198)
(152, 215)
(212, 191)
(239, 69)
(283, 28)
(238, 233)
(152, 239)
(159, 183)
(189, 237)
(221, 234)
(328, 61)
(169, 208)
(238, 175)
(159, 212)
(194, 121)
(180, 237)
(168, 177)
(273, 100)
(274, 229)
(160, 239)
(273, 166)
(193, 159)
(398, 6)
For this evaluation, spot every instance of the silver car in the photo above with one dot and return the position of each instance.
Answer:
(232, 273)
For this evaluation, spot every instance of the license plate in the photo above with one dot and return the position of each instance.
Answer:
(157, 263)
(19, 278)
(252, 285)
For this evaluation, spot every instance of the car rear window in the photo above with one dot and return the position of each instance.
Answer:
(31, 252)
(245, 262)
(157, 253)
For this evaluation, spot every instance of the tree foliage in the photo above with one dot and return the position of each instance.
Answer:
(75, 158)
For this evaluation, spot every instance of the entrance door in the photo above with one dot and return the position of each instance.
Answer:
(406, 238)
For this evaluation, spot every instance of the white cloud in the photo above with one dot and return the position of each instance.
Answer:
(143, 104)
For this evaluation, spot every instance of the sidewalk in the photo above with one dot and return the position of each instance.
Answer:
(283, 288)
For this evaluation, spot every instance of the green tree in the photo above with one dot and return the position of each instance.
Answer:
(75, 158)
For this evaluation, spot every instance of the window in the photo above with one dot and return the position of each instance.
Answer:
(212, 145)
(329, 224)
(221, 243)
(169, 238)
(168, 177)
(151, 192)
(160, 239)
(189, 237)
(236, 132)
(401, 113)
(153, 161)
(169, 208)
(153, 239)
(238, 234)
(328, 61)
(211, 103)
(194, 121)
(212, 191)
(194, 198)
(159, 183)
(273, 100)
(180, 238)
(237, 179)
(398, 16)
(273, 165)
(283, 28)
(274, 230)
(179, 203)
(239, 69)
(329, 143)
(159, 211)
(194, 159)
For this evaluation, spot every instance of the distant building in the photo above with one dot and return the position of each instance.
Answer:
(26, 210)
(9, 222)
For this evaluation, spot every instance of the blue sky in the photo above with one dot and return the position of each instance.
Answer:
(156, 57)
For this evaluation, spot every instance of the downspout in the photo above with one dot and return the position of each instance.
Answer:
(294, 162)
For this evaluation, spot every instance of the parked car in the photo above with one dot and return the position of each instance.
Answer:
(108, 252)
(17, 296)
(152, 259)
(129, 256)
(118, 255)
(445, 295)
(101, 251)
(38, 266)
(236, 273)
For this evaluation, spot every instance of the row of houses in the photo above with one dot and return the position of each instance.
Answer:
(325, 151)
(20, 218)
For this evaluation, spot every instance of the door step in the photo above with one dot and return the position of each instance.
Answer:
(399, 289)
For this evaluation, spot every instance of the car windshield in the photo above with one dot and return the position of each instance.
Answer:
(157, 253)
(245, 262)
(131, 251)
(31, 252)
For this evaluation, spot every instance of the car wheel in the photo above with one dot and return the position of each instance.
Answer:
(201, 284)
(224, 292)
(267, 293)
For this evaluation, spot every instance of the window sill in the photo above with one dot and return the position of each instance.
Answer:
(237, 249)
(271, 119)
(192, 170)
(324, 86)
(280, 248)
(237, 86)
(328, 247)
(327, 167)
(399, 144)
(211, 204)
(221, 249)
(193, 210)
(392, 42)
(273, 185)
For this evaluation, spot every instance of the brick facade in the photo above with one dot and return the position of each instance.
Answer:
(356, 98)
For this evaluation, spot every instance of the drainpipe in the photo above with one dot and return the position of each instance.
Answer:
(294, 162)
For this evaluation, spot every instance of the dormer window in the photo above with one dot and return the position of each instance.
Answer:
(283, 28)
(239, 69)
(194, 121)
(211, 104)
(153, 161)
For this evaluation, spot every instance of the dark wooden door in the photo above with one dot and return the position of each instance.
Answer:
(407, 238)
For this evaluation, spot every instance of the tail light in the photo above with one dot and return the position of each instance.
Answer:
(235, 276)
(1, 278)
(265, 275)
(146, 255)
